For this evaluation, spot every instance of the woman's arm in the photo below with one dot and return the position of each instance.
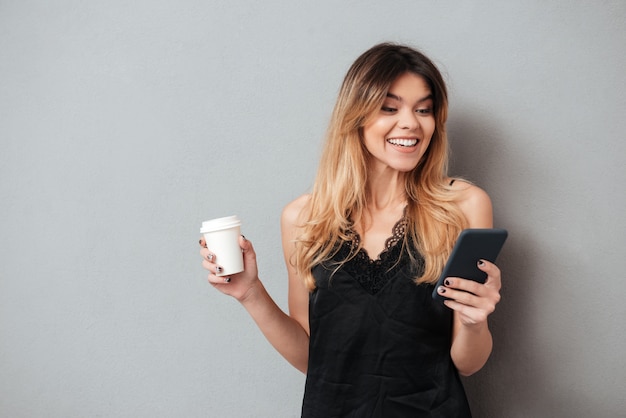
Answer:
(473, 302)
(288, 334)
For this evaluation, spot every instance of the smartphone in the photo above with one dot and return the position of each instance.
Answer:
(471, 246)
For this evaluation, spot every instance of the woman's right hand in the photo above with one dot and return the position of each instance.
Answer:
(237, 285)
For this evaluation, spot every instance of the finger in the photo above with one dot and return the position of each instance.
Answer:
(465, 285)
(470, 292)
(216, 272)
(469, 304)
(208, 265)
(469, 313)
(244, 243)
(207, 255)
(493, 272)
(249, 254)
(219, 280)
(460, 296)
(202, 242)
(212, 267)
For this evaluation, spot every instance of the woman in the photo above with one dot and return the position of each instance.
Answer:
(364, 249)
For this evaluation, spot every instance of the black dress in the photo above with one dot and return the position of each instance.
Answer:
(380, 346)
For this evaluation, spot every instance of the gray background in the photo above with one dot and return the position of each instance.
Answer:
(123, 125)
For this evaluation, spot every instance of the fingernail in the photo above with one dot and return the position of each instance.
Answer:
(218, 270)
(244, 237)
(200, 241)
(481, 263)
(226, 279)
(446, 282)
(442, 289)
(210, 257)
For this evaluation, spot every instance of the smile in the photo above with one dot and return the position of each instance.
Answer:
(403, 142)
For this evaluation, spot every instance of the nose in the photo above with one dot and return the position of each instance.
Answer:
(408, 119)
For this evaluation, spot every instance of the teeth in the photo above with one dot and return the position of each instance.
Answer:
(402, 142)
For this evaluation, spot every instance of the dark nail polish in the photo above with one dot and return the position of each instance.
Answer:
(442, 289)
(446, 282)
(218, 270)
(226, 279)
(481, 263)
(244, 237)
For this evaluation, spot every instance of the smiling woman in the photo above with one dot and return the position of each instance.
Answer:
(366, 330)
(399, 135)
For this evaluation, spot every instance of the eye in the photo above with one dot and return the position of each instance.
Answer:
(388, 109)
(425, 111)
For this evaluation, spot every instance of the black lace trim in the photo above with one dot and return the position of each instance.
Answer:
(373, 274)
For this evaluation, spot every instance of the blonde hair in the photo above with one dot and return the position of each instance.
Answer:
(339, 192)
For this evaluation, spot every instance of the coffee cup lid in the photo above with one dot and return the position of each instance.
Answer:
(219, 224)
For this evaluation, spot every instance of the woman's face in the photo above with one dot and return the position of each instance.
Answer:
(399, 135)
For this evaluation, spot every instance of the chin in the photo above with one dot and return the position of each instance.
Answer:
(404, 168)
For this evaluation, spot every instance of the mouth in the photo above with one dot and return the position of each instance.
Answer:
(403, 142)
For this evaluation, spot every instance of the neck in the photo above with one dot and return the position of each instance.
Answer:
(386, 192)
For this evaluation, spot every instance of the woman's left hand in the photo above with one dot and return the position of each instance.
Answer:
(473, 301)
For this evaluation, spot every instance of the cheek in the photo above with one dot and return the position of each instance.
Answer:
(375, 129)
(429, 131)
(373, 134)
(369, 144)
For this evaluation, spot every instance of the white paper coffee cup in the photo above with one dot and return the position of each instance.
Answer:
(222, 239)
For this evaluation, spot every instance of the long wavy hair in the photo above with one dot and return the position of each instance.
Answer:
(339, 195)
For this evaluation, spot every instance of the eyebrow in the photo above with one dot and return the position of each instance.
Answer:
(398, 98)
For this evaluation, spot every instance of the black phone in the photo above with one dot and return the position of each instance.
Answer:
(471, 246)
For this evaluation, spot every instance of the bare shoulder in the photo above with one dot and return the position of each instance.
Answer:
(292, 212)
(475, 204)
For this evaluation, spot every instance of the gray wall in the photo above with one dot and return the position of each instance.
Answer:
(123, 125)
